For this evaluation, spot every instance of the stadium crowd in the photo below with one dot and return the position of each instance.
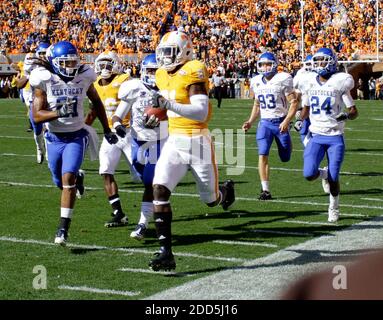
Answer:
(228, 33)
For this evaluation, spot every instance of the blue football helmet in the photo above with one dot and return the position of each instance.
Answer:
(148, 70)
(325, 62)
(64, 59)
(267, 64)
(308, 63)
(41, 50)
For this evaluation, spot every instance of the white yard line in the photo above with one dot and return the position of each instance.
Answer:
(314, 223)
(103, 291)
(188, 195)
(246, 243)
(92, 247)
(268, 277)
(166, 273)
(372, 199)
(284, 233)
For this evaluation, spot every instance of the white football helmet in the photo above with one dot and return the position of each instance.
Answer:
(107, 64)
(175, 48)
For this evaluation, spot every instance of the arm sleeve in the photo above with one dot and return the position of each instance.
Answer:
(197, 110)
(123, 108)
(348, 100)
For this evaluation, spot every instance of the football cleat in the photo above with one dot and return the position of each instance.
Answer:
(163, 260)
(61, 237)
(80, 189)
(333, 214)
(265, 195)
(139, 232)
(325, 183)
(230, 194)
(119, 220)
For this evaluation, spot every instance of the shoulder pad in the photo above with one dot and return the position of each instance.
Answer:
(39, 75)
(345, 79)
(129, 89)
(196, 70)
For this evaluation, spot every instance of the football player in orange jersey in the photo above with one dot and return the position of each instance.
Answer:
(110, 77)
(183, 84)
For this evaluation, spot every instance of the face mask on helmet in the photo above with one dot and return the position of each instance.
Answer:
(67, 66)
(324, 64)
(308, 64)
(42, 50)
(107, 64)
(174, 49)
(148, 70)
(267, 64)
(64, 59)
(104, 68)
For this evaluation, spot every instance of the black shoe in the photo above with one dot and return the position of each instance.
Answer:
(265, 195)
(230, 194)
(80, 184)
(119, 219)
(163, 260)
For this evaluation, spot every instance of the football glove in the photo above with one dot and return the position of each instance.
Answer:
(298, 125)
(121, 131)
(158, 101)
(66, 110)
(110, 137)
(341, 116)
(151, 122)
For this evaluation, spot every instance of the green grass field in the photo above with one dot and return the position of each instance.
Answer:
(206, 240)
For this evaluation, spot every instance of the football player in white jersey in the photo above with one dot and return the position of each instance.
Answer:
(148, 134)
(23, 83)
(60, 87)
(299, 82)
(324, 99)
(110, 78)
(272, 93)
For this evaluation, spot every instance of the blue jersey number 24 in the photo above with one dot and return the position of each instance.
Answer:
(316, 109)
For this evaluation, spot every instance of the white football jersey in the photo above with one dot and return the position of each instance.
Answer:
(272, 94)
(326, 100)
(60, 92)
(137, 98)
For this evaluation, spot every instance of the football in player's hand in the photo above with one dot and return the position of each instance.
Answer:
(159, 113)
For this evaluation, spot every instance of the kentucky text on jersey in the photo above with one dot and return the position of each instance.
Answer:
(66, 91)
(332, 93)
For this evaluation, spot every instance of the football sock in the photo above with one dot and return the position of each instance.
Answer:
(334, 201)
(146, 213)
(265, 185)
(163, 222)
(115, 203)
